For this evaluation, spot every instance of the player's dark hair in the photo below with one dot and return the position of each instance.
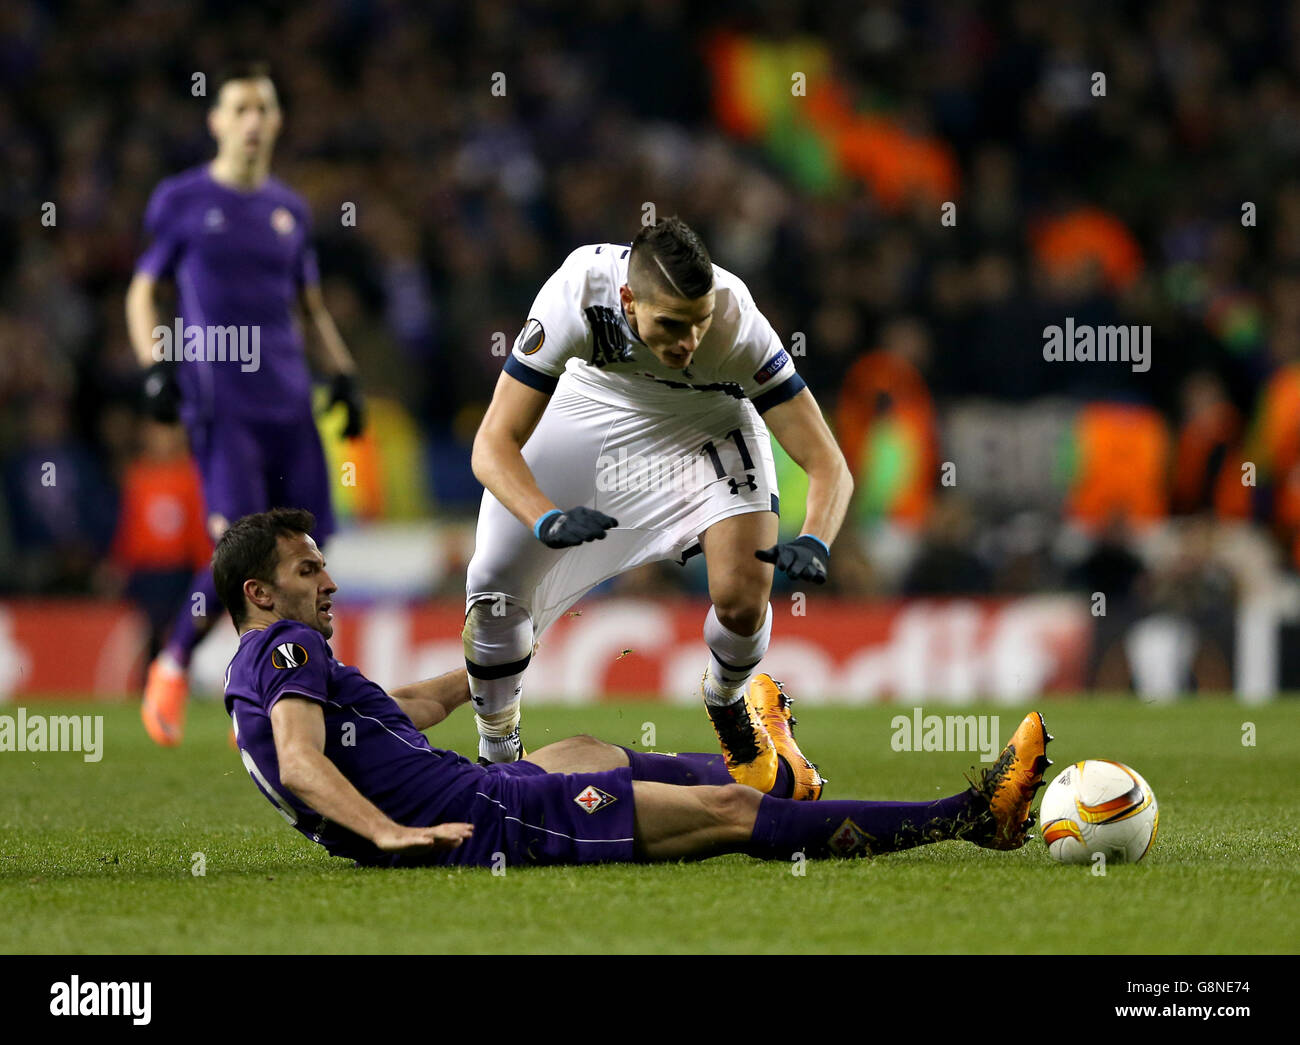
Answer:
(684, 268)
(248, 551)
(252, 69)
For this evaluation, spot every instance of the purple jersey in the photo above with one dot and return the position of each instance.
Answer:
(367, 736)
(238, 260)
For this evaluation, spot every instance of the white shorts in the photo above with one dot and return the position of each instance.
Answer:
(666, 478)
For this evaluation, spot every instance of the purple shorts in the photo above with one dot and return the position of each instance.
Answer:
(534, 817)
(252, 466)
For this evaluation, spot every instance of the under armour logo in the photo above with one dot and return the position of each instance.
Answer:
(749, 481)
(479, 701)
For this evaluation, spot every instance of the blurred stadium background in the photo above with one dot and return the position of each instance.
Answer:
(923, 341)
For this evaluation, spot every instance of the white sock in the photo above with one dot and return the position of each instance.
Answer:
(732, 658)
(498, 640)
(505, 748)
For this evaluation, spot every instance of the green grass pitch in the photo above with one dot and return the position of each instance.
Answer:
(99, 857)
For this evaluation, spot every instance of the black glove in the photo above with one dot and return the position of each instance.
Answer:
(557, 529)
(162, 395)
(803, 559)
(344, 390)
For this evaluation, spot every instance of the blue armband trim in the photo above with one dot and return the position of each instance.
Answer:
(525, 374)
(537, 526)
(787, 389)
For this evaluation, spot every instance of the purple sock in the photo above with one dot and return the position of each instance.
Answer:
(690, 768)
(846, 828)
(687, 769)
(189, 628)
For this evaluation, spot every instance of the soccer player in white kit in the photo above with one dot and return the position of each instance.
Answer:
(631, 413)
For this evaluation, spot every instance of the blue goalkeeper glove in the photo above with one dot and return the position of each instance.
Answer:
(557, 529)
(805, 558)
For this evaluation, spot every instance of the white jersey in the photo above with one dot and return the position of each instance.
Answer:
(668, 453)
(577, 325)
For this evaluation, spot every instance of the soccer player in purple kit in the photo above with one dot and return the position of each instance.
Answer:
(346, 764)
(232, 367)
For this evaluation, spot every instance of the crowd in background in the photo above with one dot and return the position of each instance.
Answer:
(480, 143)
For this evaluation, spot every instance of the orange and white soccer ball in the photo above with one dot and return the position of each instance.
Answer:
(1098, 806)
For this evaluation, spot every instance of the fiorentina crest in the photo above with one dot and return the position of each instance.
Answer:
(850, 840)
(593, 798)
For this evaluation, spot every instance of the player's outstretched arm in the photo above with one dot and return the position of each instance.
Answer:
(298, 725)
(141, 316)
(499, 464)
(333, 359)
(801, 430)
(498, 459)
(161, 393)
(429, 702)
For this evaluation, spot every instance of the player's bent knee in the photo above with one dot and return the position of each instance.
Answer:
(580, 754)
(584, 741)
(490, 607)
(742, 616)
(601, 752)
(734, 804)
(497, 630)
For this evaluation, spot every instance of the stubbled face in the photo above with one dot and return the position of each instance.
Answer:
(671, 327)
(302, 588)
(246, 119)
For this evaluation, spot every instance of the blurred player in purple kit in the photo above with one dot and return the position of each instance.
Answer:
(232, 367)
(346, 764)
